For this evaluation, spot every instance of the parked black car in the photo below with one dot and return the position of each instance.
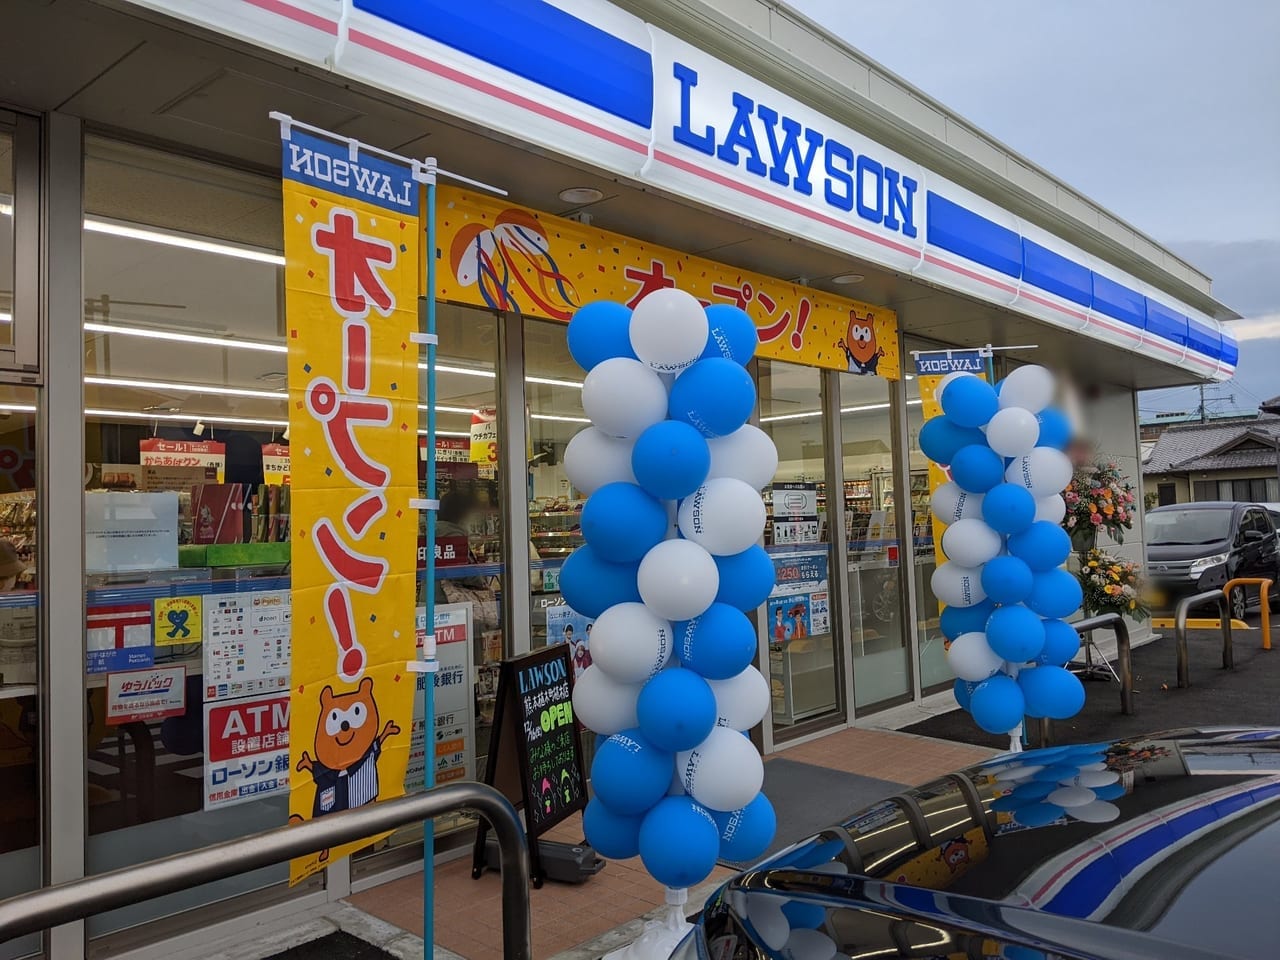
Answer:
(1163, 847)
(1193, 547)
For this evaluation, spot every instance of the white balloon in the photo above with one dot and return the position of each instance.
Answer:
(623, 397)
(949, 504)
(1018, 771)
(1029, 387)
(593, 458)
(747, 454)
(957, 585)
(678, 580)
(668, 330)
(1044, 471)
(1052, 508)
(971, 543)
(1072, 797)
(742, 700)
(1100, 811)
(724, 772)
(724, 516)
(602, 704)
(631, 643)
(765, 914)
(971, 658)
(806, 944)
(1012, 432)
(1092, 778)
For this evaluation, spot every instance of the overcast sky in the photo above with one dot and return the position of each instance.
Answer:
(1166, 112)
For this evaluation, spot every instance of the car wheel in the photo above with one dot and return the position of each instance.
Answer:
(1239, 603)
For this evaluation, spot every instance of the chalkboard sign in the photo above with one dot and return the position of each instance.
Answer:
(535, 754)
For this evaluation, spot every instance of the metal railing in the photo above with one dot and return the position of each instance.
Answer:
(79, 899)
(1180, 631)
(1264, 602)
(1124, 659)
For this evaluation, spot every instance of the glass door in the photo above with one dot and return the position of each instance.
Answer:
(805, 654)
(877, 626)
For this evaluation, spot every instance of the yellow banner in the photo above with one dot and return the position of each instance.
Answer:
(497, 255)
(351, 240)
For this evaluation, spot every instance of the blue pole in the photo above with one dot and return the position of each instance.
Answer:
(428, 686)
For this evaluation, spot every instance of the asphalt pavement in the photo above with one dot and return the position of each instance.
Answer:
(1248, 695)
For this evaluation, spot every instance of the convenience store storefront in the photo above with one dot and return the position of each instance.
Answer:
(142, 338)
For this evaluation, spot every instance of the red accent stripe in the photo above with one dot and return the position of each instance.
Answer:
(971, 274)
(493, 90)
(290, 12)
(724, 181)
(1054, 306)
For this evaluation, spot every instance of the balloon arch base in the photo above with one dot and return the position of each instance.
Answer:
(662, 935)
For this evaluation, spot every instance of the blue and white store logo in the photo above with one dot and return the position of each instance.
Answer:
(940, 364)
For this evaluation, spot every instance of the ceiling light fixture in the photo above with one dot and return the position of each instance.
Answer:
(175, 336)
(558, 419)
(115, 229)
(207, 418)
(581, 195)
(847, 278)
(17, 408)
(548, 381)
(185, 387)
(6, 318)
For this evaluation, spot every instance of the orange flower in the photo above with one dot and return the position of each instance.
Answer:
(1108, 509)
(1093, 508)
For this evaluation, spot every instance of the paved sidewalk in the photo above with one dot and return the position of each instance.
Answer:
(578, 922)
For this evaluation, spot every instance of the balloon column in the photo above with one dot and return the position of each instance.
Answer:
(1005, 591)
(670, 566)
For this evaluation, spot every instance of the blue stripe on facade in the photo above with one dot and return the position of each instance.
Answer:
(1230, 350)
(1166, 323)
(965, 233)
(1055, 273)
(959, 230)
(1119, 302)
(1203, 339)
(537, 41)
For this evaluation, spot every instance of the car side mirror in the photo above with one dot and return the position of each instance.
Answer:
(1253, 536)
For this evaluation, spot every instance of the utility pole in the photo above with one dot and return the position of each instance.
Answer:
(1203, 417)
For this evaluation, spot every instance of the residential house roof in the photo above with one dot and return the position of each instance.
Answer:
(1241, 445)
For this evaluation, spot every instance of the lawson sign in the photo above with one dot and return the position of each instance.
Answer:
(737, 141)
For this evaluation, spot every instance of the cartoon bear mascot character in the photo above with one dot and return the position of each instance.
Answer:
(859, 345)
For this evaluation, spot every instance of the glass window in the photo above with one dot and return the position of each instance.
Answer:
(934, 671)
(6, 237)
(1205, 490)
(804, 663)
(186, 451)
(877, 634)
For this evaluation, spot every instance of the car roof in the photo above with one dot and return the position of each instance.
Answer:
(1202, 505)
(1176, 847)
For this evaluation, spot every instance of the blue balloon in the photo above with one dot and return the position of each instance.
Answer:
(719, 644)
(996, 704)
(1059, 771)
(940, 439)
(1042, 546)
(1055, 431)
(1035, 789)
(591, 585)
(1055, 594)
(676, 709)
(1112, 791)
(1007, 580)
(679, 842)
(802, 915)
(731, 334)
(1008, 508)
(600, 331)
(670, 460)
(1038, 814)
(963, 691)
(746, 578)
(614, 835)
(1052, 692)
(623, 523)
(970, 401)
(715, 396)
(977, 468)
(957, 620)
(1061, 643)
(1015, 633)
(745, 834)
(629, 774)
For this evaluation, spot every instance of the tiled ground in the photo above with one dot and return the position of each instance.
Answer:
(467, 912)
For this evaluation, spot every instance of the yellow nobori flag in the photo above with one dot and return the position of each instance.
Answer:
(351, 241)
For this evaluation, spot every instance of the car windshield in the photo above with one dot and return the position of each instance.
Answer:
(1167, 527)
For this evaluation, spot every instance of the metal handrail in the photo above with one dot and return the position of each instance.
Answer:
(1124, 652)
(1180, 631)
(1264, 586)
(79, 899)
(1124, 656)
